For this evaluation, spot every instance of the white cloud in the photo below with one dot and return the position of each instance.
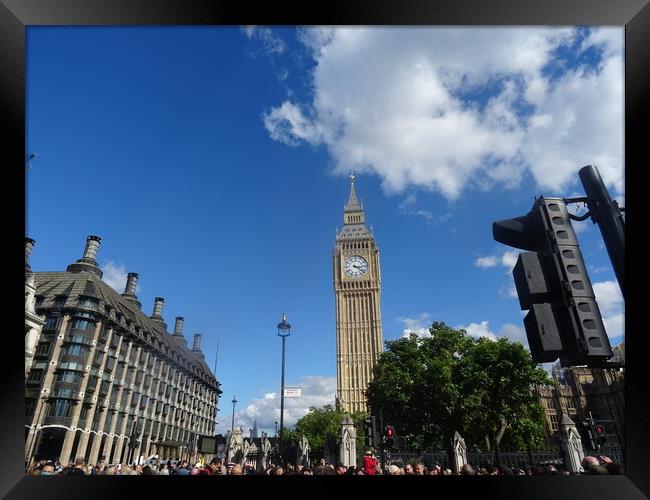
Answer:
(272, 44)
(508, 330)
(485, 262)
(397, 102)
(611, 305)
(408, 206)
(507, 259)
(115, 276)
(419, 325)
(478, 330)
(316, 391)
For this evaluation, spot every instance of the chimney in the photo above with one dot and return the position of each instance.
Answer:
(196, 347)
(157, 308)
(88, 263)
(29, 245)
(92, 244)
(129, 291)
(178, 327)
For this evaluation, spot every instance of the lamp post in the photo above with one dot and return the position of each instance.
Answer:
(276, 428)
(232, 425)
(284, 330)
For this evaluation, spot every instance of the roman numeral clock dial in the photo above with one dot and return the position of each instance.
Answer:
(356, 266)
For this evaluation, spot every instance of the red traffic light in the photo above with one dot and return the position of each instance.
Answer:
(390, 432)
(600, 429)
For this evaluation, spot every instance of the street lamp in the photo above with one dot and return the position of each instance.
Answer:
(284, 330)
(232, 426)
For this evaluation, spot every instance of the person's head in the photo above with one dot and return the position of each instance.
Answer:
(340, 469)
(408, 469)
(236, 470)
(47, 469)
(146, 471)
(110, 470)
(419, 469)
(393, 470)
(79, 461)
(467, 470)
(588, 461)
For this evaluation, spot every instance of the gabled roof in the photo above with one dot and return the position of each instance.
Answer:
(51, 285)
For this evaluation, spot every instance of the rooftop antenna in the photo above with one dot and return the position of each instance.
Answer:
(216, 357)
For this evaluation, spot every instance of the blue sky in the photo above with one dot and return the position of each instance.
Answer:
(214, 162)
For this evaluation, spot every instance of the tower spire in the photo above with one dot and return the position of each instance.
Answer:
(353, 204)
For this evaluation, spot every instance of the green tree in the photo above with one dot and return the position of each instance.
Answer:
(321, 425)
(427, 388)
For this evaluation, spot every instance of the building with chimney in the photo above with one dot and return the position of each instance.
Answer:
(105, 381)
(357, 287)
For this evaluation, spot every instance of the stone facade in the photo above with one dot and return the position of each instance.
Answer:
(357, 286)
(107, 382)
(581, 390)
(33, 322)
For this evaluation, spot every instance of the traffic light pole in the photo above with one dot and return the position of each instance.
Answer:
(606, 213)
(382, 456)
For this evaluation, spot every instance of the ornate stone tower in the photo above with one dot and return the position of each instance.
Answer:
(357, 281)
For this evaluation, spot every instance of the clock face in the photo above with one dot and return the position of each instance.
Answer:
(356, 266)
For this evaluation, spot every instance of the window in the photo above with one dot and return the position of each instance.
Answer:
(69, 376)
(104, 387)
(77, 350)
(81, 324)
(61, 408)
(118, 422)
(39, 300)
(36, 375)
(99, 357)
(53, 322)
(118, 372)
(43, 349)
(110, 363)
(84, 412)
(66, 393)
(104, 333)
(60, 301)
(86, 302)
(30, 406)
(554, 426)
(71, 365)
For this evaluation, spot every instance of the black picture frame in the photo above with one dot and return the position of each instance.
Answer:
(16, 15)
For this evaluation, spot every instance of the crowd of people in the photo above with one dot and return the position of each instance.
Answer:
(370, 466)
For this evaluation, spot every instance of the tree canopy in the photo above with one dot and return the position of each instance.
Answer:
(429, 387)
(323, 425)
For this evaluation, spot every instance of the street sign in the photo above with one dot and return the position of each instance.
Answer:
(292, 392)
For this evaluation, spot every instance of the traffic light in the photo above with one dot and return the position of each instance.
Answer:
(389, 436)
(553, 285)
(601, 434)
(369, 426)
(589, 434)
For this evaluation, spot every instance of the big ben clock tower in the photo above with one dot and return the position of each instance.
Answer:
(357, 282)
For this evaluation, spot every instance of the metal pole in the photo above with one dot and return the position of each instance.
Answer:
(282, 402)
(606, 213)
(232, 425)
(382, 455)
